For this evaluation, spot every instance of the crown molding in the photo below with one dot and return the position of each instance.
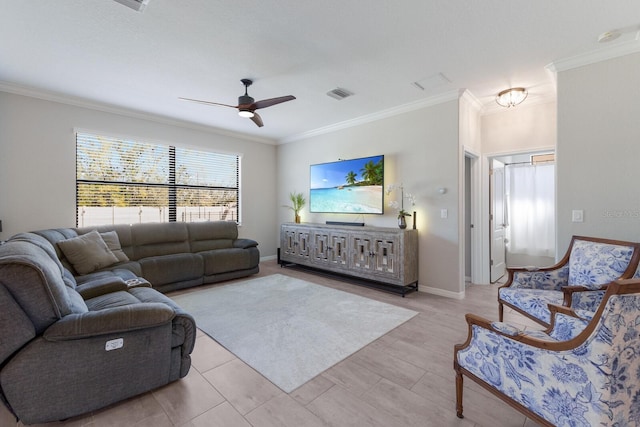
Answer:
(614, 51)
(108, 108)
(401, 109)
(472, 99)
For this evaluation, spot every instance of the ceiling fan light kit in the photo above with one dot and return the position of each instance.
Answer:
(511, 97)
(247, 106)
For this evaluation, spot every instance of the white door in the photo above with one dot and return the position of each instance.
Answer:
(497, 219)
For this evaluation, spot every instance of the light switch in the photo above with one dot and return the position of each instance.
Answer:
(577, 215)
(444, 213)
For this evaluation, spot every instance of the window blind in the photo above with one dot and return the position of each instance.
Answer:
(125, 181)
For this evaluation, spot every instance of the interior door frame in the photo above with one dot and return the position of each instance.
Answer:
(476, 199)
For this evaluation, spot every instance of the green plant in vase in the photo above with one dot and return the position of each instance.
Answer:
(297, 203)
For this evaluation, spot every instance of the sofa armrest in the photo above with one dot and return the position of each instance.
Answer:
(101, 286)
(108, 321)
(244, 243)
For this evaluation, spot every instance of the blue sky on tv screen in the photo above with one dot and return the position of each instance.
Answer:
(329, 175)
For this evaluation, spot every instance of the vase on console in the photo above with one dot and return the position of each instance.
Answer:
(297, 203)
(402, 214)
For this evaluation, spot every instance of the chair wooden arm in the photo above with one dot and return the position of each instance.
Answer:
(561, 309)
(569, 290)
(473, 319)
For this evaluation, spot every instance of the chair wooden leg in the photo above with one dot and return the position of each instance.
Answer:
(500, 311)
(459, 394)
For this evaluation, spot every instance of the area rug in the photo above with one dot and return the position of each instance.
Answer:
(288, 329)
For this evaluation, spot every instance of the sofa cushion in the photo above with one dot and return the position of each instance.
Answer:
(122, 230)
(113, 243)
(156, 239)
(15, 327)
(111, 300)
(533, 301)
(35, 283)
(224, 260)
(161, 270)
(53, 236)
(205, 236)
(87, 253)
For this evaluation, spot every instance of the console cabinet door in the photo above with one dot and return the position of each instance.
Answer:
(386, 259)
(339, 253)
(329, 248)
(377, 256)
(295, 244)
(361, 253)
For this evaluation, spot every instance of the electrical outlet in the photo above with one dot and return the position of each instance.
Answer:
(444, 213)
(114, 344)
(577, 215)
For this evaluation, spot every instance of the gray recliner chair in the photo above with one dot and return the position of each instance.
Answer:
(61, 355)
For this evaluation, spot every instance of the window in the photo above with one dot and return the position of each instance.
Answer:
(119, 181)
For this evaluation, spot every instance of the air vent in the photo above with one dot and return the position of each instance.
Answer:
(434, 81)
(138, 5)
(339, 93)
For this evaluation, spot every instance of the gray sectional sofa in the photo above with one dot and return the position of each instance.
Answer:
(170, 256)
(82, 322)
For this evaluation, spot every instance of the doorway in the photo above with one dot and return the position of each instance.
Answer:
(472, 221)
(522, 201)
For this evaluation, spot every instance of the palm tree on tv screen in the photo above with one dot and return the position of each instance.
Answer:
(351, 177)
(372, 172)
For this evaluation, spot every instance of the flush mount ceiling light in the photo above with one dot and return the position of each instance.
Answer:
(511, 97)
(137, 5)
(608, 36)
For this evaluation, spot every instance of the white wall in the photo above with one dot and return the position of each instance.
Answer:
(599, 149)
(37, 164)
(522, 128)
(421, 150)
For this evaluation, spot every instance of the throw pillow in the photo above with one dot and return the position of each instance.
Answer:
(87, 253)
(113, 243)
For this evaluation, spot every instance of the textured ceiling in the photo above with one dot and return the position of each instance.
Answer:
(99, 51)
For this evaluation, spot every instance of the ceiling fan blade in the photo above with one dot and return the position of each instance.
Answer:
(272, 101)
(207, 102)
(257, 119)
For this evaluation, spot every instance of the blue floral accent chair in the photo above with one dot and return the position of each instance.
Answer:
(579, 280)
(580, 372)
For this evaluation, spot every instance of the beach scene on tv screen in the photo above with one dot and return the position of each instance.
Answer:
(348, 186)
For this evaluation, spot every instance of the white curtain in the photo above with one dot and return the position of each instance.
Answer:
(530, 209)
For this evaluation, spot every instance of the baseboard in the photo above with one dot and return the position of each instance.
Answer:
(441, 292)
(268, 258)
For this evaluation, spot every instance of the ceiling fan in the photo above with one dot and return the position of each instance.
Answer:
(247, 106)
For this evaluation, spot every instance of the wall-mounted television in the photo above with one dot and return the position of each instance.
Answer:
(353, 186)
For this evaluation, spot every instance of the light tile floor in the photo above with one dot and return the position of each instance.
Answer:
(405, 378)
